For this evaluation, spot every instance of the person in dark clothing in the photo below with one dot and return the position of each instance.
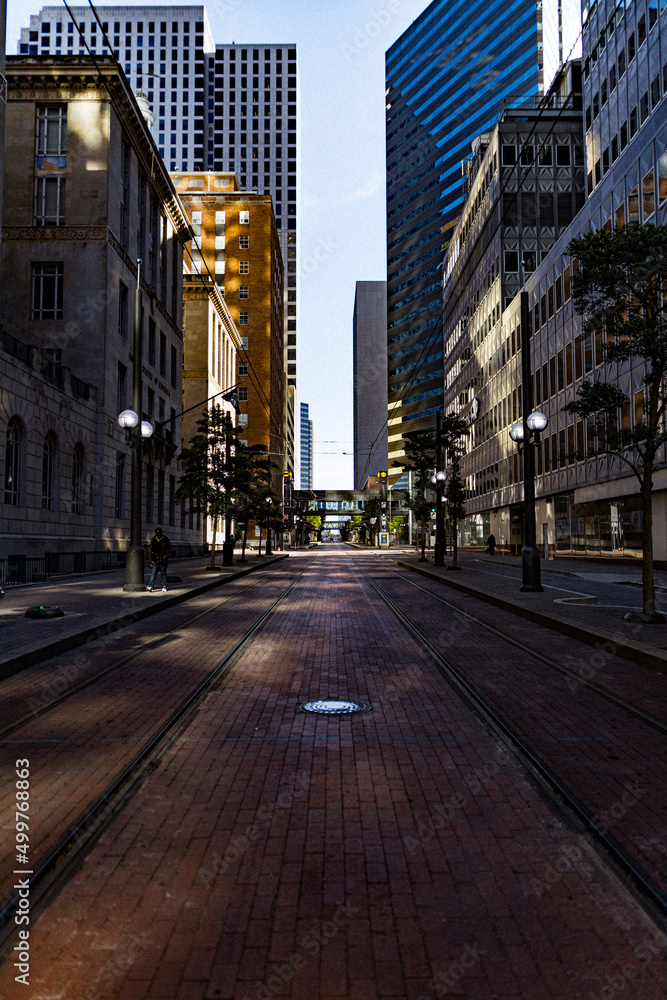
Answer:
(158, 557)
(491, 544)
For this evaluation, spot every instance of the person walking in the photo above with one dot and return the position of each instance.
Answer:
(491, 544)
(158, 557)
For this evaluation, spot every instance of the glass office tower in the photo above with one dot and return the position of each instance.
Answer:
(447, 77)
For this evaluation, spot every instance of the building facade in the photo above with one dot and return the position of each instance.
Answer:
(369, 373)
(237, 246)
(447, 77)
(306, 449)
(587, 500)
(85, 196)
(221, 107)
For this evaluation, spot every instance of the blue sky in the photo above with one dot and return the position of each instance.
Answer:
(341, 46)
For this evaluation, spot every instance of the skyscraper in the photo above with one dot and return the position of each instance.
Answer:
(447, 77)
(216, 107)
(369, 373)
(306, 449)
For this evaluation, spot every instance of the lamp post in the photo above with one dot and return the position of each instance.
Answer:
(268, 549)
(438, 480)
(373, 523)
(525, 435)
(136, 429)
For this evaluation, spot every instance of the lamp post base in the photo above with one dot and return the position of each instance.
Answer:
(134, 570)
(530, 564)
(228, 553)
(438, 554)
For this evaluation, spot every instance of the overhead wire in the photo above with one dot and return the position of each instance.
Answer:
(83, 41)
(522, 178)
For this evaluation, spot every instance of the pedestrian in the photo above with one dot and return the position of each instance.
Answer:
(158, 557)
(491, 544)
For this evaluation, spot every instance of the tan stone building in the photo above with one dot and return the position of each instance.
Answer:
(236, 243)
(86, 195)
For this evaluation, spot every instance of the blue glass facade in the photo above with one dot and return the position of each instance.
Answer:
(447, 77)
(306, 449)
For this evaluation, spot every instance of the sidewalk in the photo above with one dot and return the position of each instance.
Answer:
(96, 605)
(584, 602)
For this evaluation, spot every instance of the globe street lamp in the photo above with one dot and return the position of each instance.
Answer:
(438, 480)
(136, 431)
(526, 434)
(373, 521)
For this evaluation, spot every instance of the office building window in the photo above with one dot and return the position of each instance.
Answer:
(243, 393)
(120, 486)
(244, 292)
(49, 201)
(48, 471)
(244, 267)
(244, 242)
(244, 218)
(52, 132)
(243, 318)
(13, 449)
(47, 291)
(77, 478)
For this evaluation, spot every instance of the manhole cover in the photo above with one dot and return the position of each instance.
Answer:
(335, 707)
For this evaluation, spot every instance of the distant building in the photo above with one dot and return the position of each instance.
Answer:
(86, 194)
(239, 248)
(306, 449)
(369, 340)
(448, 77)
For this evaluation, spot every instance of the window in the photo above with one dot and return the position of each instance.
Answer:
(633, 206)
(244, 267)
(244, 292)
(122, 310)
(242, 420)
(13, 463)
(163, 355)
(612, 79)
(243, 319)
(643, 107)
(631, 47)
(526, 155)
(244, 242)
(243, 368)
(511, 261)
(244, 218)
(546, 156)
(49, 201)
(47, 291)
(244, 343)
(119, 504)
(52, 131)
(655, 92)
(121, 387)
(641, 30)
(151, 341)
(243, 393)
(648, 194)
(633, 122)
(624, 135)
(662, 177)
(77, 479)
(174, 363)
(621, 63)
(48, 471)
(508, 155)
(562, 156)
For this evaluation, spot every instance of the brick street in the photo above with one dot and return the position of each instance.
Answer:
(399, 853)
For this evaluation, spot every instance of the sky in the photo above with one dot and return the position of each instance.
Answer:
(341, 48)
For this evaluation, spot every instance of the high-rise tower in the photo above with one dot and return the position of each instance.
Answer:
(447, 77)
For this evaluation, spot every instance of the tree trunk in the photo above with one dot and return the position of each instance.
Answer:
(244, 541)
(215, 529)
(455, 545)
(422, 558)
(648, 584)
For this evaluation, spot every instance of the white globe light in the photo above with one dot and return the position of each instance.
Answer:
(434, 480)
(516, 433)
(269, 500)
(441, 476)
(128, 419)
(537, 421)
(146, 429)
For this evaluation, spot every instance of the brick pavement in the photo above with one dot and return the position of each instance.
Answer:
(95, 605)
(611, 760)
(395, 854)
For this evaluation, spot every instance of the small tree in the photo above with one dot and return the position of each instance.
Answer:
(620, 287)
(420, 460)
(454, 431)
(210, 465)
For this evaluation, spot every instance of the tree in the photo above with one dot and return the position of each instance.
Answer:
(420, 460)
(210, 465)
(250, 487)
(620, 288)
(454, 431)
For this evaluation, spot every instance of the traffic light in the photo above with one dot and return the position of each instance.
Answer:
(382, 483)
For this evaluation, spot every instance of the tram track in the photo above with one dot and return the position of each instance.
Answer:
(149, 644)
(58, 862)
(642, 883)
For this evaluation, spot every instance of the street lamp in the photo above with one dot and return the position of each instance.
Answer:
(438, 480)
(136, 431)
(373, 521)
(526, 434)
(268, 550)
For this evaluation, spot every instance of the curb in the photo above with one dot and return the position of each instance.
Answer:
(636, 652)
(31, 657)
